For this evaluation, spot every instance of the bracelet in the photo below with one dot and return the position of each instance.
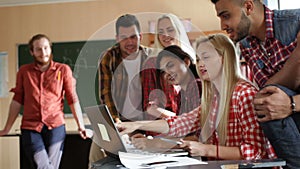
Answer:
(293, 105)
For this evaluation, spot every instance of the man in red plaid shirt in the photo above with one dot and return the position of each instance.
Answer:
(267, 40)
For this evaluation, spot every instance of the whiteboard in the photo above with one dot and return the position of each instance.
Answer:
(3, 74)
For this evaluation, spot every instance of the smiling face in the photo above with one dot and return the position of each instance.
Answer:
(233, 19)
(175, 71)
(41, 51)
(167, 34)
(209, 62)
(129, 39)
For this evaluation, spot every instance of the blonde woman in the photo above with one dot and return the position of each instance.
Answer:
(156, 90)
(229, 127)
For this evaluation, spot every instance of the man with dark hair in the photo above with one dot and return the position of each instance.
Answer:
(40, 89)
(119, 71)
(268, 41)
(120, 75)
(127, 20)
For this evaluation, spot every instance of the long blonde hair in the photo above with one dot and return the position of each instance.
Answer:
(231, 74)
(181, 35)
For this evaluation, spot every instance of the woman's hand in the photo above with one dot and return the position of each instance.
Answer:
(140, 141)
(195, 148)
(127, 127)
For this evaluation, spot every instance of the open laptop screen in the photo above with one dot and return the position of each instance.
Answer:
(108, 136)
(105, 130)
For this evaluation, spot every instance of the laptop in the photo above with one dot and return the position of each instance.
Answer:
(108, 135)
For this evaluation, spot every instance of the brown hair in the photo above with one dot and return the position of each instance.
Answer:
(127, 20)
(38, 37)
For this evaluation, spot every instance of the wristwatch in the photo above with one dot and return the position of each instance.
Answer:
(293, 105)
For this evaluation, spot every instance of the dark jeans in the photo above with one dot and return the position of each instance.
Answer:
(284, 136)
(44, 150)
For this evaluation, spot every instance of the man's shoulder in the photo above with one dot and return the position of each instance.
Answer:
(61, 66)
(282, 18)
(26, 66)
(113, 51)
(287, 13)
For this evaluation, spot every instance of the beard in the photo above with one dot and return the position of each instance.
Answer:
(243, 28)
(42, 63)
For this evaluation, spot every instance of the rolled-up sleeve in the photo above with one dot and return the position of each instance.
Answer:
(69, 85)
(19, 89)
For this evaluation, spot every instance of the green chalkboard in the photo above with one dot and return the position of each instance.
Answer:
(82, 57)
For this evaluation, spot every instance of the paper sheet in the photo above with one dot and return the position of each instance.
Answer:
(134, 161)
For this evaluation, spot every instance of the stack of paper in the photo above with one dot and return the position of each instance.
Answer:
(131, 160)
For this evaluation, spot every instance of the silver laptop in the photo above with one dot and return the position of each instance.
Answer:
(108, 135)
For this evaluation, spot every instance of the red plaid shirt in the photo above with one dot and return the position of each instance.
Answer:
(266, 58)
(243, 130)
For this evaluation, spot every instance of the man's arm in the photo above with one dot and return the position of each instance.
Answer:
(14, 110)
(289, 75)
(105, 81)
(77, 113)
(72, 98)
(271, 102)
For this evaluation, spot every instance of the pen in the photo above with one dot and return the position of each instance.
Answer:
(156, 163)
(58, 75)
(171, 141)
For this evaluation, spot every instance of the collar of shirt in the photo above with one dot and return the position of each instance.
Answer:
(269, 22)
(269, 26)
(52, 66)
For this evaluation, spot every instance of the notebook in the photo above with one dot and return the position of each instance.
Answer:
(108, 135)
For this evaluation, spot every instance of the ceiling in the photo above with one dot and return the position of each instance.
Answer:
(32, 2)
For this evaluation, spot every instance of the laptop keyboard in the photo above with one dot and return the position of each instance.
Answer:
(131, 149)
(142, 152)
